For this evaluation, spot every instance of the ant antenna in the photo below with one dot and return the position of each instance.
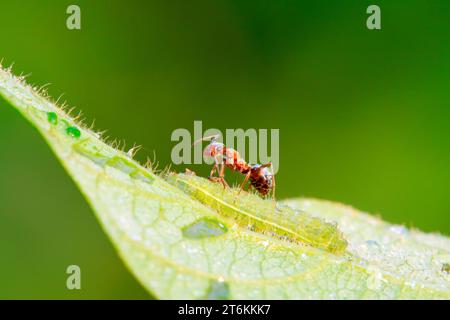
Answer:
(212, 138)
(273, 181)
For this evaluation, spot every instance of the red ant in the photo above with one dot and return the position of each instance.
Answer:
(261, 178)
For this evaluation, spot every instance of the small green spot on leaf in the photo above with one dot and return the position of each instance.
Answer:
(204, 228)
(74, 132)
(446, 268)
(52, 117)
(93, 152)
(143, 176)
(123, 164)
(218, 290)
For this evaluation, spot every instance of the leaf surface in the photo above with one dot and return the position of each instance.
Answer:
(185, 245)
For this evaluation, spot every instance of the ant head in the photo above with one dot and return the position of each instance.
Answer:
(209, 151)
(212, 148)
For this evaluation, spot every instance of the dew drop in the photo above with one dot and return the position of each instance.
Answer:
(372, 243)
(74, 132)
(399, 229)
(265, 243)
(91, 151)
(52, 117)
(362, 263)
(143, 176)
(218, 290)
(204, 228)
(122, 164)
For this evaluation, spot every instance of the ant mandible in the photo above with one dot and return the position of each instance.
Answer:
(261, 178)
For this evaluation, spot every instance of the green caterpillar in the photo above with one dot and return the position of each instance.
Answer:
(264, 216)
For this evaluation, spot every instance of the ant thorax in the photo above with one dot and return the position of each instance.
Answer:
(227, 156)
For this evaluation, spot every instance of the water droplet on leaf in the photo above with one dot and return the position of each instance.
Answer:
(93, 152)
(218, 290)
(399, 229)
(124, 165)
(52, 117)
(204, 228)
(372, 243)
(74, 132)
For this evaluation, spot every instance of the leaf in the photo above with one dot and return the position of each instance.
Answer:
(193, 241)
(267, 217)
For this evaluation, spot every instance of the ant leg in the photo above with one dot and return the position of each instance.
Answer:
(244, 182)
(213, 170)
(221, 176)
(211, 175)
(273, 181)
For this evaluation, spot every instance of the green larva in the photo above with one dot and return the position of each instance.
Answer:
(264, 216)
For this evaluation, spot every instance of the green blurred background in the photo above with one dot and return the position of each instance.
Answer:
(363, 115)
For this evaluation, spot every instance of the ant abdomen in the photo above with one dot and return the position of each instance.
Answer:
(261, 179)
